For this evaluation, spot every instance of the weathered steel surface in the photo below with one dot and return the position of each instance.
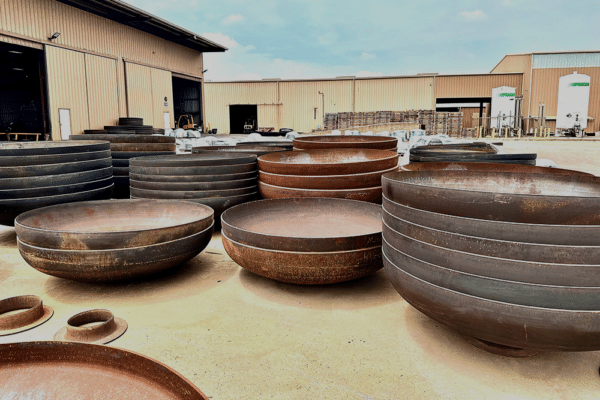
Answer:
(372, 194)
(344, 142)
(21, 313)
(190, 194)
(125, 138)
(93, 326)
(575, 235)
(501, 196)
(129, 147)
(125, 155)
(187, 186)
(507, 324)
(508, 291)
(206, 170)
(9, 209)
(113, 265)
(520, 159)
(38, 160)
(100, 225)
(304, 224)
(350, 181)
(496, 167)
(53, 169)
(74, 371)
(36, 192)
(256, 150)
(306, 268)
(535, 252)
(585, 275)
(12, 149)
(328, 162)
(210, 159)
(14, 185)
(286, 144)
(193, 178)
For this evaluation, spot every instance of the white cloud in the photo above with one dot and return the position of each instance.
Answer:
(367, 56)
(476, 15)
(221, 39)
(233, 19)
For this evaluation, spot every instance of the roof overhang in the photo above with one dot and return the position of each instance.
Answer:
(126, 14)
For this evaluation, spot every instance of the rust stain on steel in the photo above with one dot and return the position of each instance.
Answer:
(143, 147)
(92, 326)
(306, 268)
(51, 370)
(328, 162)
(100, 225)
(20, 313)
(494, 167)
(304, 224)
(503, 196)
(372, 195)
(344, 142)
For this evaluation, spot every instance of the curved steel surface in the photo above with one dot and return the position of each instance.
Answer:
(125, 138)
(10, 209)
(519, 326)
(350, 181)
(194, 186)
(256, 150)
(310, 268)
(496, 167)
(22, 194)
(53, 169)
(8, 184)
(125, 155)
(206, 170)
(574, 235)
(192, 178)
(13, 149)
(35, 160)
(500, 196)
(129, 147)
(74, 371)
(110, 224)
(536, 252)
(21, 313)
(507, 291)
(372, 195)
(194, 160)
(584, 275)
(190, 194)
(304, 224)
(286, 144)
(113, 265)
(328, 162)
(340, 142)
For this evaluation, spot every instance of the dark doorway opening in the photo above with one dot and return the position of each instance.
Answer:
(240, 115)
(187, 101)
(458, 103)
(22, 91)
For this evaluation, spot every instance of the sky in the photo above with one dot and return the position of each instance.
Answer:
(306, 39)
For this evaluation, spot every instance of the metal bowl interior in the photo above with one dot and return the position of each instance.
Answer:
(328, 162)
(194, 186)
(194, 160)
(44, 148)
(304, 224)
(495, 167)
(205, 170)
(501, 196)
(192, 178)
(331, 142)
(69, 371)
(34, 160)
(350, 181)
(372, 194)
(98, 225)
(30, 171)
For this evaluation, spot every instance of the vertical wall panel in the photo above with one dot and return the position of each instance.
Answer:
(162, 86)
(139, 92)
(67, 88)
(475, 85)
(395, 94)
(103, 100)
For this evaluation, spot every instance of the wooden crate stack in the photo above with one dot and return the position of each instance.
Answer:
(369, 118)
(357, 119)
(330, 122)
(455, 124)
(397, 116)
(383, 117)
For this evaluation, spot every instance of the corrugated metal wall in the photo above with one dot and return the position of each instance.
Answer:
(139, 92)
(162, 88)
(397, 94)
(518, 63)
(103, 99)
(566, 60)
(475, 85)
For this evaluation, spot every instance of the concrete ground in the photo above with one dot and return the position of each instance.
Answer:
(240, 336)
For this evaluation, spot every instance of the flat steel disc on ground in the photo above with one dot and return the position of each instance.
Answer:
(116, 147)
(287, 144)
(517, 168)
(7, 184)
(304, 224)
(111, 224)
(372, 194)
(191, 194)
(19, 194)
(206, 170)
(305, 268)
(350, 181)
(125, 138)
(500, 196)
(17, 161)
(498, 322)
(327, 162)
(74, 371)
(308, 142)
(112, 265)
(125, 155)
(194, 160)
(12, 149)
(132, 121)
(188, 186)
(526, 159)
(256, 150)
(193, 178)
(54, 169)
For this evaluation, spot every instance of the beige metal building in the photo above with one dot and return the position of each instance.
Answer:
(70, 65)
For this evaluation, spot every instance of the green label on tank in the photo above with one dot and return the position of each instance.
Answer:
(506, 95)
(580, 84)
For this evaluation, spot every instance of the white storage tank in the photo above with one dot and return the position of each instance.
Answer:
(503, 107)
(573, 102)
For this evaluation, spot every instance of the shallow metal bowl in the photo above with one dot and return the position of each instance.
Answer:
(126, 155)
(189, 194)
(125, 138)
(194, 186)
(350, 181)
(35, 160)
(372, 194)
(205, 170)
(194, 160)
(495, 167)
(29, 171)
(310, 142)
(256, 150)
(193, 178)
(13, 149)
(135, 147)
(19, 194)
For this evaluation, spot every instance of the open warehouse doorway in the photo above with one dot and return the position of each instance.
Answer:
(23, 112)
(242, 114)
(187, 103)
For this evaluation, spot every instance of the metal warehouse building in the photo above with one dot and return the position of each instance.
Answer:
(302, 104)
(71, 65)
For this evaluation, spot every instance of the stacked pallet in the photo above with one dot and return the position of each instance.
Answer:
(330, 121)
(397, 116)
(455, 124)
(357, 119)
(369, 118)
(344, 120)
